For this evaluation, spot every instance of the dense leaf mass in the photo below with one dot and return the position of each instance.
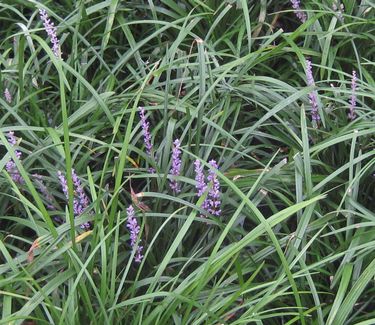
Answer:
(187, 162)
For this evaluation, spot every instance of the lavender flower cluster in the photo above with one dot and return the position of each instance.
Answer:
(212, 203)
(146, 130)
(313, 98)
(80, 200)
(51, 31)
(11, 166)
(146, 135)
(7, 95)
(353, 97)
(176, 166)
(297, 10)
(134, 229)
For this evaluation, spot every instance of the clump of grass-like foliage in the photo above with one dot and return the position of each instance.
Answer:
(187, 162)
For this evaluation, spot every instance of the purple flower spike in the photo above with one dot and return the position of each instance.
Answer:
(11, 166)
(51, 31)
(353, 98)
(64, 184)
(80, 200)
(146, 134)
(298, 11)
(11, 138)
(176, 166)
(212, 203)
(134, 229)
(201, 185)
(313, 98)
(7, 95)
(214, 192)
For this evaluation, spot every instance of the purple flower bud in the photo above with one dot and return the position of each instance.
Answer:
(297, 10)
(146, 134)
(51, 31)
(313, 98)
(134, 229)
(176, 166)
(7, 95)
(11, 166)
(353, 98)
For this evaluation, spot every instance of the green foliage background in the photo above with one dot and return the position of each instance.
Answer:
(294, 244)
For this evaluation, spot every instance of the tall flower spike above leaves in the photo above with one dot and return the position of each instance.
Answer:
(11, 166)
(51, 30)
(313, 98)
(146, 134)
(298, 11)
(353, 98)
(7, 95)
(134, 229)
(213, 199)
(176, 166)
